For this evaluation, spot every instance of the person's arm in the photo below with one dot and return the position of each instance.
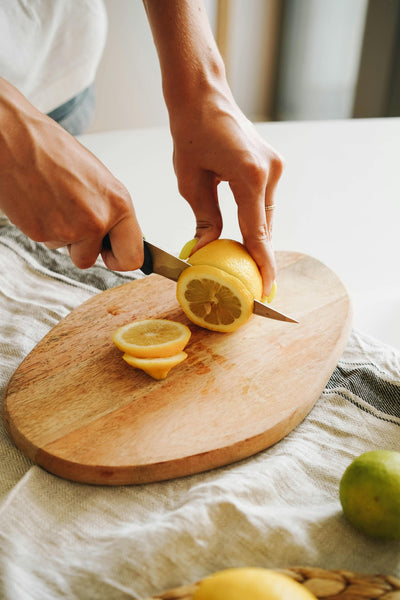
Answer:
(57, 192)
(213, 140)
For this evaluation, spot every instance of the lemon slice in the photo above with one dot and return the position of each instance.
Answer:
(152, 338)
(214, 299)
(158, 368)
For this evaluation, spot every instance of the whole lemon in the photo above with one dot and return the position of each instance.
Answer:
(370, 494)
(251, 583)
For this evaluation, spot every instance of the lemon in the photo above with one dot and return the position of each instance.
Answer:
(187, 248)
(271, 295)
(212, 292)
(213, 299)
(251, 583)
(233, 258)
(370, 494)
(158, 368)
(152, 338)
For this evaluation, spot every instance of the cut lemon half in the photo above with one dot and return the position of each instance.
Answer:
(232, 257)
(158, 368)
(152, 338)
(214, 299)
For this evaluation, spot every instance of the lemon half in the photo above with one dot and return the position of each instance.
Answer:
(213, 299)
(233, 258)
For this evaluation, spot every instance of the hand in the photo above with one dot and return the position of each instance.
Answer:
(214, 142)
(59, 193)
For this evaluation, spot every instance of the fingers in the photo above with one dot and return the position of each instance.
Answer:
(201, 193)
(55, 245)
(122, 252)
(255, 199)
(274, 174)
(125, 251)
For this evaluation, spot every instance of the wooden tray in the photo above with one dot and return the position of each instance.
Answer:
(77, 409)
(324, 584)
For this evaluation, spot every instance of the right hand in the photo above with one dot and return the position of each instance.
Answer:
(57, 192)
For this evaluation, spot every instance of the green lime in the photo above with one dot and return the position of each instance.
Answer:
(370, 494)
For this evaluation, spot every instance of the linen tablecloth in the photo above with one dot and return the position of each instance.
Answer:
(278, 509)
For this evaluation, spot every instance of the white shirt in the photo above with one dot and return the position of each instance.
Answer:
(50, 49)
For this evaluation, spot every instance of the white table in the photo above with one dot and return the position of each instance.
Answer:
(339, 200)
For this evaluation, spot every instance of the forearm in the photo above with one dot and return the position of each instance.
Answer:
(213, 140)
(57, 192)
(191, 65)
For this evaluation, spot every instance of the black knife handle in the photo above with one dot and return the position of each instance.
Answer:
(147, 266)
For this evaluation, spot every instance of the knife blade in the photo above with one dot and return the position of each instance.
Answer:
(161, 262)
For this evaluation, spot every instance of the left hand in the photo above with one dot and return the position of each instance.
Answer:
(214, 142)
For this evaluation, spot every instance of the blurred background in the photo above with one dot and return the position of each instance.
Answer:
(285, 59)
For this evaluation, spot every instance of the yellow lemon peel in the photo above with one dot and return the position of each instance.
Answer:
(232, 257)
(158, 368)
(251, 583)
(187, 249)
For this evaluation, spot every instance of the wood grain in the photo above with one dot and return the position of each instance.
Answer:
(77, 409)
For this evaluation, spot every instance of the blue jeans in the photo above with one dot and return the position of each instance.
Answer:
(76, 114)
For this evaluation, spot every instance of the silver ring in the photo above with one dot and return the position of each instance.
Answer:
(270, 207)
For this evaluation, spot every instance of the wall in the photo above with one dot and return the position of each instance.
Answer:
(128, 83)
(318, 69)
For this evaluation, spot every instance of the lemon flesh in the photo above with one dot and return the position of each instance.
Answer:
(152, 338)
(250, 584)
(232, 257)
(158, 368)
(370, 494)
(213, 299)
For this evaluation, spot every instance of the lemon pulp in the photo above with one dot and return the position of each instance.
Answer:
(213, 299)
(152, 338)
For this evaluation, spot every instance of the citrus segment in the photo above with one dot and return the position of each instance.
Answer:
(232, 257)
(251, 584)
(158, 368)
(152, 338)
(213, 299)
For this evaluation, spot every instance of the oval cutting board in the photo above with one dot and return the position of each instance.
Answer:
(77, 409)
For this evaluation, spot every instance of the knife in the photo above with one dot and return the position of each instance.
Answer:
(161, 262)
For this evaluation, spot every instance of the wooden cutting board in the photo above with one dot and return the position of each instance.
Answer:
(77, 409)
